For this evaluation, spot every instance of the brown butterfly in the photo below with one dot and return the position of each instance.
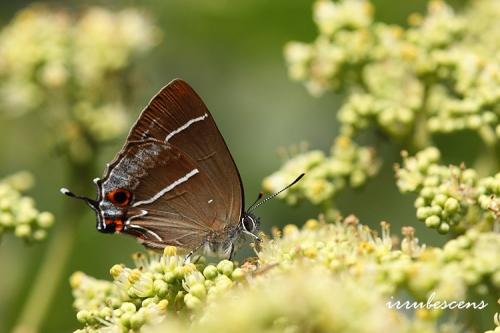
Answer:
(174, 182)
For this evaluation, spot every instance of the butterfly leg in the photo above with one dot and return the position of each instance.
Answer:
(231, 253)
(195, 261)
(192, 252)
(187, 259)
(255, 237)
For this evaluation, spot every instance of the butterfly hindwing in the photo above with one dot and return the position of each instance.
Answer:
(171, 199)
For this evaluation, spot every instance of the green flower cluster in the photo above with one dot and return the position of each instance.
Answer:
(436, 76)
(354, 252)
(344, 259)
(489, 194)
(302, 300)
(347, 165)
(159, 284)
(391, 106)
(449, 197)
(342, 47)
(75, 67)
(18, 213)
(467, 71)
(367, 59)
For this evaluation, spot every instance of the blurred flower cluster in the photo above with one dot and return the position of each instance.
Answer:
(449, 197)
(441, 74)
(348, 165)
(18, 212)
(304, 300)
(75, 68)
(339, 271)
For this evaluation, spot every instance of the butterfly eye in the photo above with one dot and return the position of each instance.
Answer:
(119, 197)
(248, 224)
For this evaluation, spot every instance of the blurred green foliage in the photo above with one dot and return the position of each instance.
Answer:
(18, 213)
(232, 55)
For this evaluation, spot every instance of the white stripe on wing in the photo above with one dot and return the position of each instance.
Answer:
(186, 125)
(167, 189)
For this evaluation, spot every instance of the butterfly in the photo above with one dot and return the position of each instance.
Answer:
(174, 182)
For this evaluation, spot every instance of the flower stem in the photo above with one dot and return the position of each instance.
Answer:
(56, 258)
(47, 280)
(421, 136)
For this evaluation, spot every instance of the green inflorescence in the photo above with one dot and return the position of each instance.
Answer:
(18, 213)
(159, 284)
(439, 70)
(449, 197)
(321, 264)
(76, 68)
(437, 76)
(347, 165)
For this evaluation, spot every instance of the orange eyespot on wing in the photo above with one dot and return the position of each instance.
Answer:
(119, 197)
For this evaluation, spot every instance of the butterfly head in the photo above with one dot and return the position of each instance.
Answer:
(110, 207)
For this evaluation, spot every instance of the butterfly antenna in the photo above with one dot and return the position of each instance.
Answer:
(261, 194)
(92, 203)
(256, 204)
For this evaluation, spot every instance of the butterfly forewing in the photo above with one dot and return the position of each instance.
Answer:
(182, 179)
(178, 116)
